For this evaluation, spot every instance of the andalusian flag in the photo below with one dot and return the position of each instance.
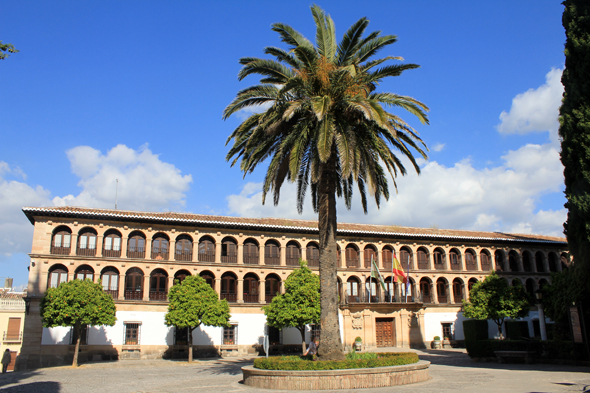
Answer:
(376, 274)
(398, 271)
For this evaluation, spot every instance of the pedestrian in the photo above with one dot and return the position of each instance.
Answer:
(6, 358)
(312, 349)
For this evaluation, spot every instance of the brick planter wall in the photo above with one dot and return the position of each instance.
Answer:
(336, 379)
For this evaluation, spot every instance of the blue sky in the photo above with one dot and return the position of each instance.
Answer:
(135, 91)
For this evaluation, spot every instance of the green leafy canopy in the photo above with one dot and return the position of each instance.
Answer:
(6, 48)
(193, 302)
(77, 303)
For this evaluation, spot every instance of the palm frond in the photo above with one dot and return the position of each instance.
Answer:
(349, 42)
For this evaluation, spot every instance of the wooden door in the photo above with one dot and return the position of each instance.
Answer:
(12, 361)
(385, 332)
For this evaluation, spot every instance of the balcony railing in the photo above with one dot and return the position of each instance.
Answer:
(133, 295)
(136, 252)
(458, 298)
(111, 253)
(456, 266)
(60, 250)
(352, 262)
(292, 261)
(185, 256)
(206, 256)
(268, 298)
(443, 299)
(158, 296)
(423, 265)
(273, 261)
(14, 337)
(160, 253)
(230, 297)
(229, 258)
(473, 266)
(486, 267)
(251, 258)
(248, 298)
(381, 298)
(313, 262)
(113, 292)
(426, 298)
(439, 266)
(87, 252)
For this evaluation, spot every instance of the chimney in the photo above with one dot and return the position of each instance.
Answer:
(8, 283)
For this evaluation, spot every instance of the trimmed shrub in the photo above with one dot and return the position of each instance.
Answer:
(300, 363)
(517, 330)
(475, 329)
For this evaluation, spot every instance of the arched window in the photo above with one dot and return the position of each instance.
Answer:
(486, 263)
(134, 284)
(209, 278)
(251, 252)
(405, 258)
(110, 281)
(499, 255)
(293, 254)
(539, 261)
(471, 283)
(313, 255)
(251, 287)
(159, 285)
(136, 245)
(457, 291)
(180, 275)
(470, 260)
(57, 275)
(423, 259)
(272, 253)
(543, 283)
(441, 291)
(425, 290)
(387, 255)
(389, 295)
(352, 290)
(455, 258)
(184, 248)
(526, 262)
(552, 262)
(86, 242)
(160, 246)
(352, 256)
(439, 259)
(530, 288)
(84, 272)
(206, 249)
(372, 290)
(370, 254)
(272, 287)
(513, 261)
(112, 244)
(229, 287)
(229, 250)
(60, 244)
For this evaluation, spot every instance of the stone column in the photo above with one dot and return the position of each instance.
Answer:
(99, 245)
(261, 292)
(148, 249)
(463, 262)
(261, 254)
(73, 243)
(434, 292)
(519, 262)
(304, 253)
(195, 251)
(124, 241)
(218, 287)
(361, 254)
(546, 262)
(478, 261)
(121, 286)
(146, 288)
(241, 253)
(240, 290)
(172, 251)
(283, 255)
(380, 258)
(217, 251)
(342, 257)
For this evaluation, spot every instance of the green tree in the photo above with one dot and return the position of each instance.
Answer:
(326, 127)
(494, 299)
(193, 303)
(299, 305)
(77, 303)
(6, 48)
(575, 129)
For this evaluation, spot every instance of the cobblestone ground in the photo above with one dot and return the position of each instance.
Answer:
(451, 371)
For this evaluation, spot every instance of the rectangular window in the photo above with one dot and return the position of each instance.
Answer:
(66, 243)
(57, 241)
(315, 330)
(108, 243)
(447, 329)
(132, 330)
(92, 242)
(83, 240)
(13, 331)
(230, 335)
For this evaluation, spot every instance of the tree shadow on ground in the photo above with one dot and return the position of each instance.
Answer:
(15, 377)
(231, 367)
(34, 387)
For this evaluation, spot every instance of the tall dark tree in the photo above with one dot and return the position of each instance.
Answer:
(326, 127)
(575, 129)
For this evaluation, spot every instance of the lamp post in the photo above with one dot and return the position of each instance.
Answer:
(539, 296)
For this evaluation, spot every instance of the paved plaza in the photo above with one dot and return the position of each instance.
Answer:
(451, 371)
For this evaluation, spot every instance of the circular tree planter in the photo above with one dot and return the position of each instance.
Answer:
(357, 378)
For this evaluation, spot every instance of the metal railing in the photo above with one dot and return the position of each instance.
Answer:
(313, 262)
(206, 256)
(87, 252)
(160, 253)
(248, 298)
(185, 256)
(60, 250)
(251, 258)
(230, 297)
(113, 292)
(230, 258)
(158, 296)
(111, 253)
(381, 298)
(292, 261)
(273, 261)
(18, 337)
(134, 295)
(136, 252)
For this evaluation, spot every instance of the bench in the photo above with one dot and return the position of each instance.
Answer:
(528, 356)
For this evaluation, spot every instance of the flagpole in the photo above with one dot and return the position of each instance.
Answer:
(370, 279)
(392, 278)
(408, 278)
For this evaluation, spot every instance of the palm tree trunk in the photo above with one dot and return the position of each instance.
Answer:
(330, 347)
(190, 344)
(77, 329)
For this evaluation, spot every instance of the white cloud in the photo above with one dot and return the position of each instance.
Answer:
(438, 147)
(245, 113)
(535, 110)
(145, 182)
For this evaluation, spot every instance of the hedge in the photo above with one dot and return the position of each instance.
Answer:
(299, 363)
(475, 329)
(554, 349)
(517, 329)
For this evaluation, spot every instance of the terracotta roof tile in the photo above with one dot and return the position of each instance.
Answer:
(283, 224)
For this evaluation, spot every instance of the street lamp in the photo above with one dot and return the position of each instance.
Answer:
(539, 296)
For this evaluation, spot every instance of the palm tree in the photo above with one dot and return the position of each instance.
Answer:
(326, 128)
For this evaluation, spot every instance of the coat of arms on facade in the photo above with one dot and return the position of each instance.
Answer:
(357, 320)
(413, 320)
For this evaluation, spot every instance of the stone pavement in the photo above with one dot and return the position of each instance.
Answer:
(451, 371)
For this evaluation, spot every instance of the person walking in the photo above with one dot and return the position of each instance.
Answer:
(6, 358)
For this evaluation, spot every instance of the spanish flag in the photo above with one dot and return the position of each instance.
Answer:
(398, 271)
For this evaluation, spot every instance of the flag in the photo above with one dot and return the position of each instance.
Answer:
(398, 271)
(376, 274)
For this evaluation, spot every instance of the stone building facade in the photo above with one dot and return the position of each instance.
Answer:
(139, 255)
